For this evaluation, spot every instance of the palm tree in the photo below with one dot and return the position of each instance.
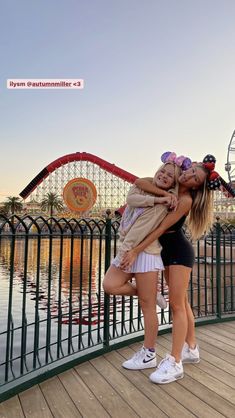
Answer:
(13, 204)
(50, 202)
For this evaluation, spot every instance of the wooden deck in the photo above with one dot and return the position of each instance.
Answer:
(102, 388)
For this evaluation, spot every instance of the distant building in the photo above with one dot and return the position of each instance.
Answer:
(33, 207)
(224, 205)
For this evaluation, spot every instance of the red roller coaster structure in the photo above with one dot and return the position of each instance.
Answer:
(112, 182)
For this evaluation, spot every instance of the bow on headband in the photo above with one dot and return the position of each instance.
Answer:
(181, 161)
(213, 179)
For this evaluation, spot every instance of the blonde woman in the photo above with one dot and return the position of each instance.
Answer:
(135, 225)
(195, 203)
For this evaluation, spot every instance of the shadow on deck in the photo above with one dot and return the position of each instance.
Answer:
(102, 388)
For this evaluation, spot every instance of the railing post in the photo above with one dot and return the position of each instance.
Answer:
(107, 264)
(9, 337)
(218, 267)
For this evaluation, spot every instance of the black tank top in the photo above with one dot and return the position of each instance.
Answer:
(178, 225)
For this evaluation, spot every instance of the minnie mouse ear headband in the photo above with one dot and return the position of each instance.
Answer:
(181, 161)
(214, 180)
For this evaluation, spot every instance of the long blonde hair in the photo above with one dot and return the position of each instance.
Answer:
(200, 218)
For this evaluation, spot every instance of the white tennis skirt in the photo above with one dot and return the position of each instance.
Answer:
(143, 263)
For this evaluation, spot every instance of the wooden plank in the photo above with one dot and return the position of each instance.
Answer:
(11, 408)
(111, 401)
(217, 336)
(212, 383)
(212, 365)
(218, 363)
(219, 374)
(34, 404)
(206, 379)
(199, 389)
(59, 401)
(83, 398)
(135, 398)
(208, 396)
(186, 397)
(227, 325)
(221, 328)
(215, 360)
(208, 388)
(222, 332)
(207, 347)
(156, 393)
(219, 344)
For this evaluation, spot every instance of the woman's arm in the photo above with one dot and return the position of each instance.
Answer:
(183, 208)
(146, 184)
(136, 199)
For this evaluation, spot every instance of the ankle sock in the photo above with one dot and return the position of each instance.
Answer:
(152, 350)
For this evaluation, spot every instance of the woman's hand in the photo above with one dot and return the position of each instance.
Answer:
(170, 201)
(128, 259)
(174, 202)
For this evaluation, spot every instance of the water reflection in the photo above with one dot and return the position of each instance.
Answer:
(59, 273)
(54, 292)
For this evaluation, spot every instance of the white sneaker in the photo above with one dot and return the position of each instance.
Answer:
(167, 371)
(143, 359)
(190, 355)
(161, 301)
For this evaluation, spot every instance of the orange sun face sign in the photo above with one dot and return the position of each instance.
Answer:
(79, 194)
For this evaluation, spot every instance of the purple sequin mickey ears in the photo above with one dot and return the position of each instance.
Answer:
(181, 161)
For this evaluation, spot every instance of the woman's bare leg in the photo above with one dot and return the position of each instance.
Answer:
(178, 277)
(146, 284)
(190, 336)
(116, 282)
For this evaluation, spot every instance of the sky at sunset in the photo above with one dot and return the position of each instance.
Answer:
(159, 75)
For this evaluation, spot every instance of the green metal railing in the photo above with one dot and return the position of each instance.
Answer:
(54, 311)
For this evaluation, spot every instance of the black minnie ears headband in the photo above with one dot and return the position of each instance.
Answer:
(214, 180)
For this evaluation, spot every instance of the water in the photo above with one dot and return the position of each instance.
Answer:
(67, 278)
(88, 276)
(75, 294)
